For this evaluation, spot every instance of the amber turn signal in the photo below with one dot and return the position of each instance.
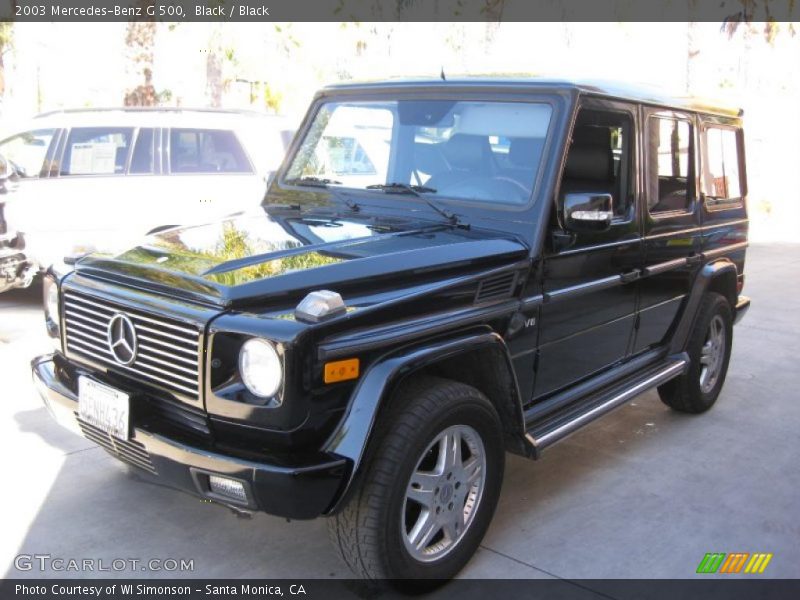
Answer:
(341, 370)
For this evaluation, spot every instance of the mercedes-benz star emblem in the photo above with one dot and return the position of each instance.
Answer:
(122, 340)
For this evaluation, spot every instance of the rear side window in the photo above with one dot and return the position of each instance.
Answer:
(721, 178)
(670, 165)
(206, 151)
(96, 151)
(143, 152)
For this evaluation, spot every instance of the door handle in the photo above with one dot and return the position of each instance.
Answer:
(629, 276)
(694, 259)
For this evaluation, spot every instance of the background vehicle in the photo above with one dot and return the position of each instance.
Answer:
(535, 254)
(102, 178)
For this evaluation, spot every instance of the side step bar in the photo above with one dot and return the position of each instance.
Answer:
(555, 427)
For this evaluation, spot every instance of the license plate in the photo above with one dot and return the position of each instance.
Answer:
(104, 407)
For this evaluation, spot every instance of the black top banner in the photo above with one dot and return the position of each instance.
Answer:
(397, 10)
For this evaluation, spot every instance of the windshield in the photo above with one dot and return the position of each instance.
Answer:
(471, 150)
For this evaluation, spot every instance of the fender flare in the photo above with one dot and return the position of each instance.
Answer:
(351, 437)
(702, 282)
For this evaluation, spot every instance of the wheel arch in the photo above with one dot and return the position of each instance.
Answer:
(718, 276)
(353, 438)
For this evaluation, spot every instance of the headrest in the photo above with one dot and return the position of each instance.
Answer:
(525, 152)
(467, 152)
(588, 163)
(589, 157)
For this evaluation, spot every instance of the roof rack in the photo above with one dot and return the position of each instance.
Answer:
(133, 109)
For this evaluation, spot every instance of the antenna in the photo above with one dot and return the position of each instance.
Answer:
(442, 75)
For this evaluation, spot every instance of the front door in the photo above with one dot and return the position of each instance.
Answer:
(588, 281)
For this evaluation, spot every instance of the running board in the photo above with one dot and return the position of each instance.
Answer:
(557, 426)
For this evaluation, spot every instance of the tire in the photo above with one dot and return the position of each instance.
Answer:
(372, 532)
(697, 390)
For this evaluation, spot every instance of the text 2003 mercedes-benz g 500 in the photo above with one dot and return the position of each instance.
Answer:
(441, 271)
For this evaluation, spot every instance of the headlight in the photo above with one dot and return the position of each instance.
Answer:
(52, 317)
(260, 367)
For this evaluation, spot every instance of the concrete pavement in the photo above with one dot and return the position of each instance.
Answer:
(642, 493)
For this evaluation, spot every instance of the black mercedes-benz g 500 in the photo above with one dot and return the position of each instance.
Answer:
(441, 271)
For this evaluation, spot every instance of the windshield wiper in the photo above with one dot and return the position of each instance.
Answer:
(418, 191)
(325, 183)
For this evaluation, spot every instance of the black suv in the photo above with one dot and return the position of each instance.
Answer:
(441, 271)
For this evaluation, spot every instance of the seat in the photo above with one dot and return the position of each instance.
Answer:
(524, 155)
(467, 156)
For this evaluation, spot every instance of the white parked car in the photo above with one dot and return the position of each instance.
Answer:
(101, 178)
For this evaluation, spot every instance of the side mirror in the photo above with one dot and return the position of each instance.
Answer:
(588, 212)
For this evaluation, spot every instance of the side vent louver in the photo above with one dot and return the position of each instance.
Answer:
(496, 288)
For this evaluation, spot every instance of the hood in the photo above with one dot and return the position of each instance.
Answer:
(282, 252)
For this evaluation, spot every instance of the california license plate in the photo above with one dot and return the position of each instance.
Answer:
(104, 407)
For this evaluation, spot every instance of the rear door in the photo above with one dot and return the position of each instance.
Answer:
(671, 222)
(587, 320)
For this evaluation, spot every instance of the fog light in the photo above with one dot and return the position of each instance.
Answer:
(230, 488)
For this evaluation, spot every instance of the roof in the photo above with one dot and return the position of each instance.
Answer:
(642, 93)
(155, 117)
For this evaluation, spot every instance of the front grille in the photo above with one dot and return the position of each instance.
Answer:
(168, 350)
(130, 451)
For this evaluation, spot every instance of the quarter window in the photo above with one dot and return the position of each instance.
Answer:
(96, 151)
(721, 179)
(206, 151)
(670, 165)
(27, 151)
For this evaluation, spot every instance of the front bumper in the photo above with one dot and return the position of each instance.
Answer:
(742, 306)
(302, 489)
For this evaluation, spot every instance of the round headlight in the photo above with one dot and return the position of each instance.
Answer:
(260, 367)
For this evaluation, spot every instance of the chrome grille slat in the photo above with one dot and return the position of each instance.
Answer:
(83, 349)
(167, 335)
(153, 349)
(134, 314)
(147, 338)
(168, 353)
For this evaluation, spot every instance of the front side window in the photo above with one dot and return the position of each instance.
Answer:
(96, 151)
(670, 165)
(27, 151)
(471, 150)
(600, 158)
(721, 180)
(206, 151)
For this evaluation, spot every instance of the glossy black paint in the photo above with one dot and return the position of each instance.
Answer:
(296, 485)
(576, 310)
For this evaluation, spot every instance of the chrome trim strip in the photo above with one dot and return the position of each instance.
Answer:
(572, 251)
(583, 288)
(724, 249)
(532, 302)
(663, 267)
(80, 325)
(702, 229)
(662, 376)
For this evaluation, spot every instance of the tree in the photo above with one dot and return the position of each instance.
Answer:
(140, 39)
(6, 38)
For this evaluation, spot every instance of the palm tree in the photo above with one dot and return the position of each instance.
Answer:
(140, 39)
